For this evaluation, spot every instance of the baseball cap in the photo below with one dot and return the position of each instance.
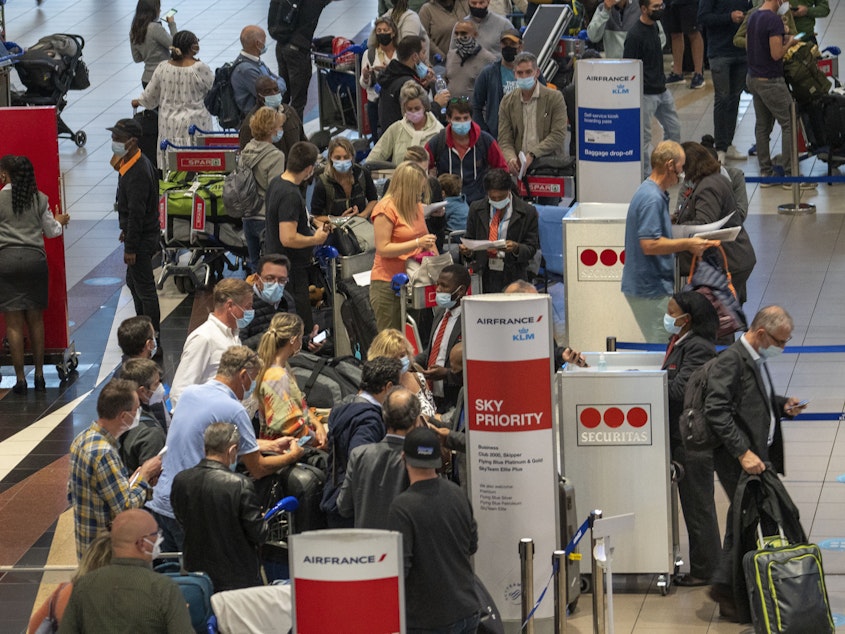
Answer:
(422, 449)
(127, 128)
(511, 34)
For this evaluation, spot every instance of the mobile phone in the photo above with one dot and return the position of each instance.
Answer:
(304, 440)
(800, 35)
(799, 405)
(320, 337)
(170, 14)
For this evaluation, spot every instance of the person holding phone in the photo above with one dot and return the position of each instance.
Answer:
(805, 13)
(344, 188)
(148, 40)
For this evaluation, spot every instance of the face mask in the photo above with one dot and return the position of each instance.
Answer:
(384, 38)
(277, 136)
(118, 148)
(156, 546)
(478, 12)
(509, 54)
(342, 166)
(782, 9)
(155, 348)
(770, 352)
(137, 420)
(158, 395)
(415, 116)
(233, 467)
(273, 101)
(248, 391)
(444, 300)
(422, 70)
(500, 204)
(525, 83)
(272, 292)
(656, 15)
(263, 49)
(669, 324)
(461, 127)
(244, 321)
(406, 364)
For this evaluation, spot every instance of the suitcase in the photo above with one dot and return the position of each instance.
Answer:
(833, 114)
(197, 589)
(786, 588)
(569, 525)
(305, 483)
(490, 621)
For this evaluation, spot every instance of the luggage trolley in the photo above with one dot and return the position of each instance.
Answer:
(214, 138)
(339, 96)
(416, 297)
(202, 228)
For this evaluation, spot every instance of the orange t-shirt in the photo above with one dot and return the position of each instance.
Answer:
(385, 268)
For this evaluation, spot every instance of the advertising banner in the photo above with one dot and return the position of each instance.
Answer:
(608, 94)
(511, 441)
(349, 581)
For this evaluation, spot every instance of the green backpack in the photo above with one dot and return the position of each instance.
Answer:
(806, 80)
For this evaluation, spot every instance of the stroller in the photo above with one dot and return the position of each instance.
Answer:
(49, 69)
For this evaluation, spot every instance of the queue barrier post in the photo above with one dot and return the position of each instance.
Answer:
(796, 207)
(598, 580)
(559, 561)
(526, 565)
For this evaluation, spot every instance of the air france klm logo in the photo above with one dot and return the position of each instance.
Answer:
(621, 89)
(611, 78)
(344, 561)
(523, 334)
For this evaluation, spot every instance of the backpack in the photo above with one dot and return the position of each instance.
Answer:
(220, 100)
(806, 80)
(282, 18)
(325, 382)
(695, 432)
(240, 193)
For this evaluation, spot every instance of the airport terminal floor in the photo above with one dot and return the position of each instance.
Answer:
(801, 265)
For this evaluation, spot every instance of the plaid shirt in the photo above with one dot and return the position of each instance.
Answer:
(98, 487)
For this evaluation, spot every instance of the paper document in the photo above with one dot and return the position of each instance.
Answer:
(687, 231)
(725, 235)
(429, 209)
(362, 279)
(481, 245)
(522, 165)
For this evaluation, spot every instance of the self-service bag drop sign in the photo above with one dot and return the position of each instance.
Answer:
(511, 454)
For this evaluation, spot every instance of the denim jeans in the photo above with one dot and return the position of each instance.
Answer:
(661, 107)
(772, 102)
(253, 227)
(728, 75)
(468, 625)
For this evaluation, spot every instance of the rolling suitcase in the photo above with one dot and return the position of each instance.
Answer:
(305, 483)
(569, 525)
(197, 589)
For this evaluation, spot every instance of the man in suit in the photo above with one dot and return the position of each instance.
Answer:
(545, 132)
(453, 284)
(744, 412)
(502, 216)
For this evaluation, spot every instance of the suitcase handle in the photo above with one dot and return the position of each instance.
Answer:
(761, 541)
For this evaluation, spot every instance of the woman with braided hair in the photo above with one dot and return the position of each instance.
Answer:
(24, 218)
(282, 409)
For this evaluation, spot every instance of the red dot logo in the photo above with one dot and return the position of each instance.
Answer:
(590, 417)
(614, 417)
(637, 417)
(589, 257)
(622, 257)
(608, 257)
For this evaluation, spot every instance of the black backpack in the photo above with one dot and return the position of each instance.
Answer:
(325, 382)
(220, 100)
(695, 432)
(240, 193)
(282, 19)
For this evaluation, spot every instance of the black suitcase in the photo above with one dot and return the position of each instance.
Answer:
(305, 483)
(569, 524)
(833, 114)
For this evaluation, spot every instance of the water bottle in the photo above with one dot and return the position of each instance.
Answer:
(602, 366)
(440, 86)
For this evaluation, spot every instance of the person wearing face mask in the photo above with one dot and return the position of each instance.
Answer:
(96, 606)
(267, 163)
(491, 27)
(146, 439)
(137, 211)
(611, 23)
(218, 509)
(648, 278)
(438, 17)
(100, 486)
(467, 60)
(373, 63)
(643, 43)
(219, 400)
(355, 423)
(409, 65)
(269, 284)
(207, 343)
(453, 284)
(502, 216)
(344, 188)
(691, 322)
(248, 67)
(532, 119)
(416, 126)
(407, 22)
(177, 88)
(393, 344)
(463, 148)
(744, 411)
(267, 94)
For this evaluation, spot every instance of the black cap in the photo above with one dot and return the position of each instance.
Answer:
(127, 128)
(422, 449)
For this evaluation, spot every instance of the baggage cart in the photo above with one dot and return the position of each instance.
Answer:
(340, 98)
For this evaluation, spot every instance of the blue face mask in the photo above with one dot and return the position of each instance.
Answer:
(461, 127)
(118, 148)
(272, 292)
(406, 364)
(770, 352)
(263, 49)
(669, 324)
(273, 101)
(248, 392)
(526, 83)
(444, 300)
(233, 467)
(277, 136)
(342, 166)
(244, 321)
(500, 204)
(422, 70)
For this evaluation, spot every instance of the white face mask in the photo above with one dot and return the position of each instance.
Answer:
(135, 421)
(782, 9)
(156, 546)
(158, 394)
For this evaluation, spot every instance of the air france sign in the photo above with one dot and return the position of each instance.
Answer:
(601, 425)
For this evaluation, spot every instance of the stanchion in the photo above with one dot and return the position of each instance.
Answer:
(796, 207)
(526, 561)
(598, 581)
(559, 561)
(610, 344)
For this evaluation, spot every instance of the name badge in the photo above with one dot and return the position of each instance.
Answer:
(496, 264)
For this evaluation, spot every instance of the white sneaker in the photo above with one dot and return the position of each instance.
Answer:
(802, 186)
(732, 154)
(721, 156)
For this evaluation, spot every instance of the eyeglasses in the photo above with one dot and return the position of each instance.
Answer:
(461, 99)
(155, 533)
(269, 279)
(780, 343)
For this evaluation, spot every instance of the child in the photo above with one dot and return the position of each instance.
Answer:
(457, 208)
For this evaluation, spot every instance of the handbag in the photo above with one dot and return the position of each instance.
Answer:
(426, 270)
(50, 624)
(712, 278)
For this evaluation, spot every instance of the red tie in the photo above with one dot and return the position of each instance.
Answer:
(670, 347)
(493, 234)
(438, 340)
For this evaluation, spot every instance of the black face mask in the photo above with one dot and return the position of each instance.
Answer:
(477, 12)
(509, 53)
(656, 15)
(384, 38)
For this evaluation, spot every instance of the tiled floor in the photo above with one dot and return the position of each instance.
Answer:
(801, 261)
